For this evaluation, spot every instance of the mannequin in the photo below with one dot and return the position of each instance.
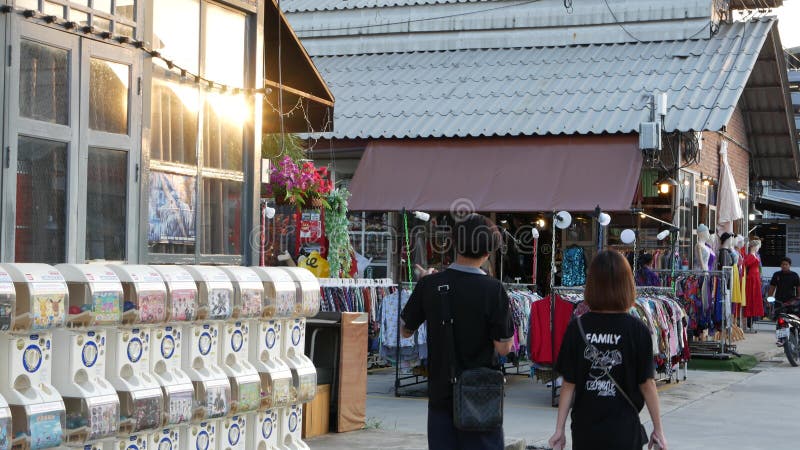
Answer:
(704, 258)
(738, 256)
(725, 252)
(754, 309)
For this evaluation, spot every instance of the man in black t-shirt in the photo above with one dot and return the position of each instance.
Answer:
(784, 284)
(482, 326)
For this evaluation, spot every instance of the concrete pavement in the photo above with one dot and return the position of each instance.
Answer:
(708, 409)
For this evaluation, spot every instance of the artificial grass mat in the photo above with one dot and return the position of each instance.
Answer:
(736, 364)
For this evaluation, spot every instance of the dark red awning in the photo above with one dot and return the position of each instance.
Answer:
(498, 174)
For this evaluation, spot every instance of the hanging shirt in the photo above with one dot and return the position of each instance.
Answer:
(574, 267)
(541, 348)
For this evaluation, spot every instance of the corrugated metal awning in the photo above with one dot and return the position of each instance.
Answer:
(500, 174)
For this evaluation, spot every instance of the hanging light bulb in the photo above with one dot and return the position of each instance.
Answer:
(663, 188)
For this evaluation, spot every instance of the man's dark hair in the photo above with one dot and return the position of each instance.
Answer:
(645, 259)
(476, 236)
(786, 259)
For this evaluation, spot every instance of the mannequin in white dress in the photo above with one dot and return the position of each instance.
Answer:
(702, 253)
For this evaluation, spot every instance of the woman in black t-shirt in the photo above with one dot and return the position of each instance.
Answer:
(615, 353)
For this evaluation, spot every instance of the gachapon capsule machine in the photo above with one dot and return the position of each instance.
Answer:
(304, 374)
(200, 353)
(165, 439)
(167, 348)
(95, 302)
(37, 410)
(5, 424)
(139, 441)
(128, 362)
(265, 345)
(200, 436)
(7, 300)
(233, 432)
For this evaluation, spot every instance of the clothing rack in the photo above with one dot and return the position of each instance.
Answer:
(510, 368)
(555, 390)
(666, 291)
(404, 381)
(712, 349)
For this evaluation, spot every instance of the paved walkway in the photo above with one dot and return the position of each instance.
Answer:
(399, 423)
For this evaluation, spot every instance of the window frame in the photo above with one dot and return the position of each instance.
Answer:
(200, 170)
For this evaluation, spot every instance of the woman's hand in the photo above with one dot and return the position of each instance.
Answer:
(657, 440)
(559, 440)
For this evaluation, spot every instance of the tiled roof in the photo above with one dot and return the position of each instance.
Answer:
(588, 89)
(330, 5)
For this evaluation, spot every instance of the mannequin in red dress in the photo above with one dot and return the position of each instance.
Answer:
(755, 302)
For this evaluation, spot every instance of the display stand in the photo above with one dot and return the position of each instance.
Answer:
(519, 368)
(92, 404)
(669, 375)
(404, 381)
(128, 368)
(35, 304)
(711, 348)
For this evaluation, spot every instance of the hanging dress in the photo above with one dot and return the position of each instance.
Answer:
(755, 302)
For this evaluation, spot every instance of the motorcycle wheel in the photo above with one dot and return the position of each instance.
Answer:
(792, 349)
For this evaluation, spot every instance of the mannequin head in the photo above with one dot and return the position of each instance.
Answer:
(702, 234)
(738, 241)
(726, 240)
(754, 246)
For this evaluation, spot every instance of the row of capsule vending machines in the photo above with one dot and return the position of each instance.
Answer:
(134, 357)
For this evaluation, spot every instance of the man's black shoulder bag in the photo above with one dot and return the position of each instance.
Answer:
(477, 393)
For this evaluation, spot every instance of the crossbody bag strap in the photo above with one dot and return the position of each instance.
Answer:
(607, 372)
(447, 324)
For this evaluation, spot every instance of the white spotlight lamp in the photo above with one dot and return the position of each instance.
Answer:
(535, 233)
(562, 219)
(269, 212)
(628, 236)
(604, 219)
(423, 216)
(662, 235)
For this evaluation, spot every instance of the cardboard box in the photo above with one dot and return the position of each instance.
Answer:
(316, 413)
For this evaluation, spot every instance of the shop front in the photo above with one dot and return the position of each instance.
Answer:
(132, 129)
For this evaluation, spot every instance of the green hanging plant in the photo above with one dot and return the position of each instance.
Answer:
(336, 226)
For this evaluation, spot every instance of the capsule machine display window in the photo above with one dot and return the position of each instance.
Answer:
(179, 400)
(5, 425)
(216, 292)
(95, 295)
(214, 398)
(91, 419)
(144, 292)
(308, 292)
(140, 410)
(38, 426)
(280, 293)
(8, 301)
(248, 299)
(41, 296)
(182, 293)
(245, 393)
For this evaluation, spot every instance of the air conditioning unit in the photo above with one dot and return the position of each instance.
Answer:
(650, 136)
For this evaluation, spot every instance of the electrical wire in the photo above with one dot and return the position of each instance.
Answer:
(427, 19)
(280, 80)
(709, 25)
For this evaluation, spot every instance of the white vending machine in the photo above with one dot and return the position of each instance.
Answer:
(5, 423)
(95, 302)
(8, 298)
(128, 367)
(200, 353)
(200, 436)
(304, 374)
(280, 295)
(166, 352)
(35, 305)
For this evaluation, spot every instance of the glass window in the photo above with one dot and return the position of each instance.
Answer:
(180, 44)
(222, 215)
(101, 24)
(172, 206)
(79, 17)
(27, 4)
(225, 114)
(40, 234)
(123, 30)
(54, 9)
(106, 204)
(108, 96)
(126, 9)
(44, 83)
(173, 134)
(102, 5)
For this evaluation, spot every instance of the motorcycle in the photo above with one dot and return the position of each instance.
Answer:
(787, 328)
